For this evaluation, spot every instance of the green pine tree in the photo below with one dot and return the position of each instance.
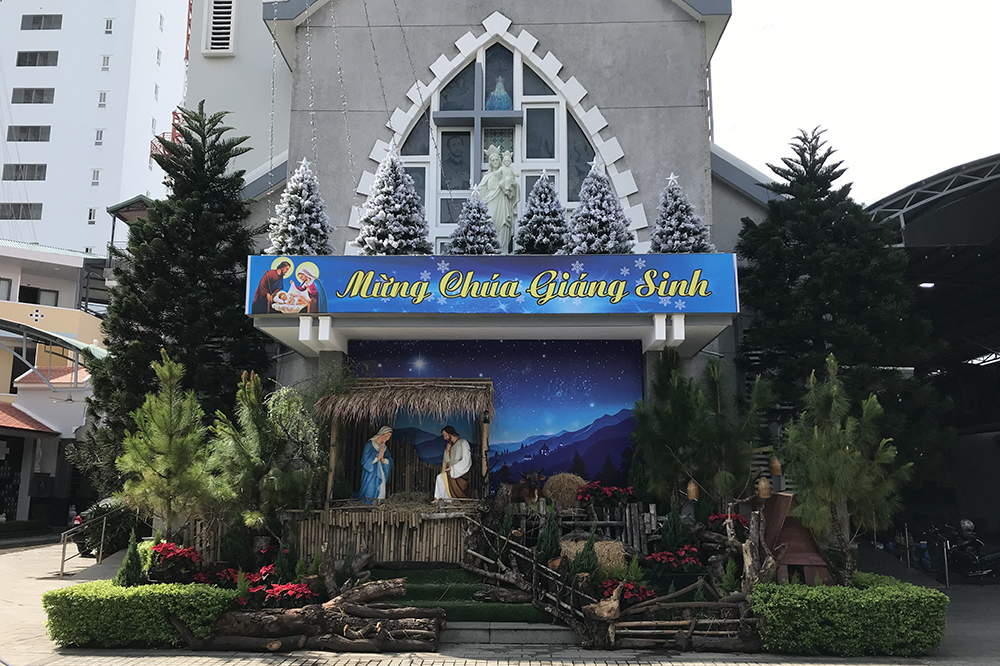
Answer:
(822, 277)
(548, 539)
(164, 460)
(181, 287)
(690, 429)
(586, 561)
(130, 572)
(841, 464)
(264, 461)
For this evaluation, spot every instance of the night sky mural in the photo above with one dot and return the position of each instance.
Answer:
(553, 398)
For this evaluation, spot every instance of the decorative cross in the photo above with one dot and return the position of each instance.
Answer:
(37, 315)
(478, 117)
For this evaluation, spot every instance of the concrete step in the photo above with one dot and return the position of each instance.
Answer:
(507, 633)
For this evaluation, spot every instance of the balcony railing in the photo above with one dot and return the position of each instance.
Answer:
(155, 147)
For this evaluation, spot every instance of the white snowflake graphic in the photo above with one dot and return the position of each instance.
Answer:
(665, 300)
(624, 271)
(577, 302)
(442, 300)
(640, 282)
(443, 266)
(680, 305)
(520, 299)
(501, 306)
(640, 263)
(425, 276)
(577, 266)
(385, 300)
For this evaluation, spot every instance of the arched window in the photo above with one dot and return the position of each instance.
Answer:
(496, 99)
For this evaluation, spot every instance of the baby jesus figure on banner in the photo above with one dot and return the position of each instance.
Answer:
(456, 468)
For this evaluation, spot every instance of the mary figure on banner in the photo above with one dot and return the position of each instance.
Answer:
(376, 463)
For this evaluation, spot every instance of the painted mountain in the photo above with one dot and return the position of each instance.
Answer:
(607, 435)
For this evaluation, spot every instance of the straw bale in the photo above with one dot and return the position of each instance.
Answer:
(561, 489)
(610, 554)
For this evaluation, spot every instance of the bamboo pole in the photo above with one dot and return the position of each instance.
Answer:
(333, 462)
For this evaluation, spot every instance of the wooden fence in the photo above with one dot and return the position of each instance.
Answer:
(392, 536)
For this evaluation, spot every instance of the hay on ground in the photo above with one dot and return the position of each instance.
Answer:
(610, 554)
(562, 489)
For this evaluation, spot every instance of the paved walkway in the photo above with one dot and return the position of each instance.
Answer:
(973, 636)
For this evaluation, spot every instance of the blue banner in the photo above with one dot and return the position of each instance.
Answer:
(511, 284)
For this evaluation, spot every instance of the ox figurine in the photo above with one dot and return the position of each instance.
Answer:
(528, 488)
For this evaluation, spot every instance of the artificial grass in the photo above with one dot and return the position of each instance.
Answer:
(452, 590)
(478, 611)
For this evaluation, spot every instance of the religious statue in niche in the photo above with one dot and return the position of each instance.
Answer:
(499, 99)
(500, 191)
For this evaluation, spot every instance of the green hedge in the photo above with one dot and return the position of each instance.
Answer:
(13, 528)
(879, 616)
(101, 614)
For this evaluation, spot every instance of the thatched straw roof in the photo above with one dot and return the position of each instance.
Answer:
(380, 400)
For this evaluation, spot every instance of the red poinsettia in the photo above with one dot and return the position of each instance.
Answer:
(632, 593)
(685, 559)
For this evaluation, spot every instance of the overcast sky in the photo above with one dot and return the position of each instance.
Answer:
(906, 89)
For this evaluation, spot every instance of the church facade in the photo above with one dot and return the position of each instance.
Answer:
(462, 91)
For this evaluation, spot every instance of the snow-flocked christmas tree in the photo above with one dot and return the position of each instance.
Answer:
(677, 227)
(393, 222)
(476, 233)
(300, 224)
(543, 228)
(598, 225)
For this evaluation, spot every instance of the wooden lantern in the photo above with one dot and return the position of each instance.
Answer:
(775, 466)
(692, 490)
(764, 488)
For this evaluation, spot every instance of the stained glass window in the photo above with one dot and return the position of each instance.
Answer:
(540, 130)
(498, 87)
(419, 176)
(456, 148)
(579, 154)
(418, 143)
(533, 86)
(460, 93)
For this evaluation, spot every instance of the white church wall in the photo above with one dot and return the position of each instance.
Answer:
(642, 63)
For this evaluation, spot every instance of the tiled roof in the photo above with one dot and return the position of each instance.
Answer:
(12, 417)
(58, 375)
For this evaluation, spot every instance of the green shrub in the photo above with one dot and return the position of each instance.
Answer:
(285, 563)
(316, 562)
(13, 528)
(101, 614)
(586, 561)
(548, 539)
(881, 616)
(131, 572)
(730, 581)
(145, 549)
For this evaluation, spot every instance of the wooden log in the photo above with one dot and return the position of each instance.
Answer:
(503, 595)
(237, 643)
(643, 606)
(376, 589)
(271, 622)
(394, 612)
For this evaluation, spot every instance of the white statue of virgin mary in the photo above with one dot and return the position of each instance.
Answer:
(500, 191)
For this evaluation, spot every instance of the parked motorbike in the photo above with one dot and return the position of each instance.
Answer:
(967, 556)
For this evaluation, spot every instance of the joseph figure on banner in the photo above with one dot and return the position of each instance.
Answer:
(456, 468)
(376, 464)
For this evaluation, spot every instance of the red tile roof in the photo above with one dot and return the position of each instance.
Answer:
(55, 375)
(12, 417)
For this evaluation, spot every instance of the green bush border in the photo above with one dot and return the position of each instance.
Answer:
(101, 614)
(879, 616)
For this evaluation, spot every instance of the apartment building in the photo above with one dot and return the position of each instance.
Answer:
(84, 87)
